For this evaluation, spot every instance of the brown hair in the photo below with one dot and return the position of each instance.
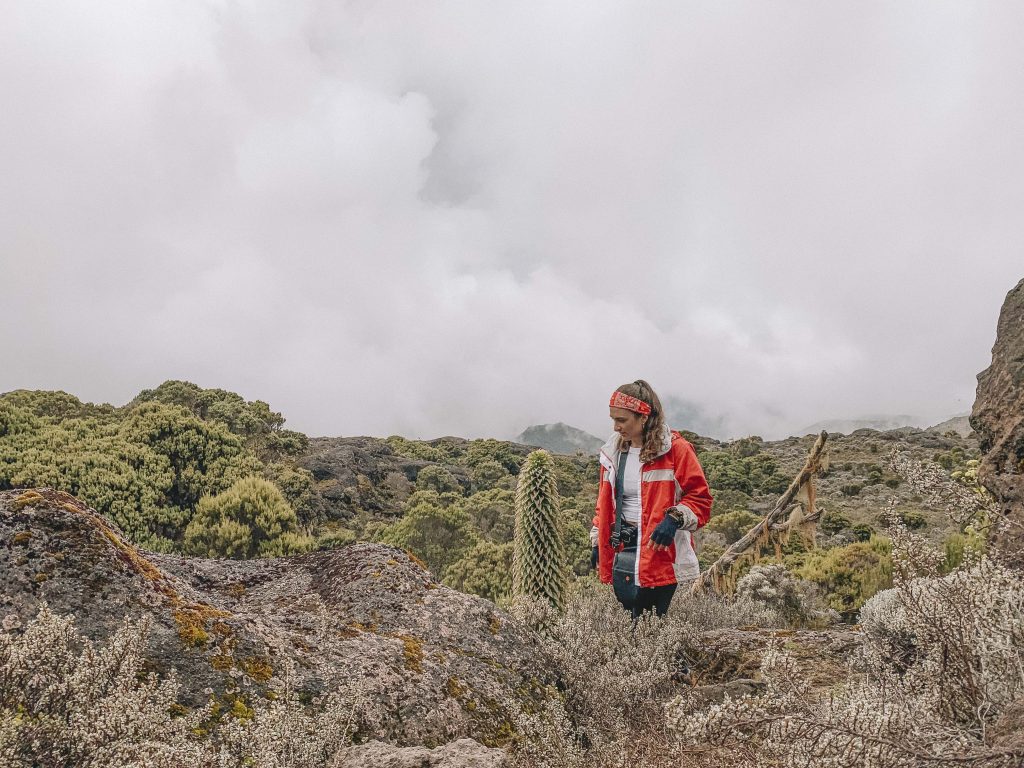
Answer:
(655, 424)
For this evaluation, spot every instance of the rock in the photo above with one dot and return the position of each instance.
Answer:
(364, 473)
(430, 664)
(998, 418)
(703, 696)
(720, 658)
(464, 753)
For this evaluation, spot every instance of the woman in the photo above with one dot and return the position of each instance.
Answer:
(652, 497)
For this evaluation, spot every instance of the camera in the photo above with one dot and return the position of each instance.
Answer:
(626, 536)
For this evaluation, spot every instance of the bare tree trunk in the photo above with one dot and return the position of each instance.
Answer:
(714, 576)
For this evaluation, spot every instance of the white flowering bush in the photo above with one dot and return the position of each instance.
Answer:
(776, 589)
(68, 703)
(943, 660)
(615, 677)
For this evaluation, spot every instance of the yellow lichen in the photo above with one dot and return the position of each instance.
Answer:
(27, 498)
(455, 688)
(41, 577)
(21, 538)
(494, 624)
(412, 651)
(222, 661)
(191, 628)
(258, 668)
(241, 711)
(416, 560)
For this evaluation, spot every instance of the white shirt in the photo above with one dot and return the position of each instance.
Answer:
(631, 487)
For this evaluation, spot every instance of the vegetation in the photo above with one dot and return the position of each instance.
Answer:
(249, 519)
(167, 468)
(539, 562)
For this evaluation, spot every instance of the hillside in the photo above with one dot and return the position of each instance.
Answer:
(559, 438)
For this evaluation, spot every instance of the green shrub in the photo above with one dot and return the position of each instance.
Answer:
(484, 570)
(249, 519)
(728, 500)
(733, 525)
(849, 575)
(834, 522)
(438, 534)
(851, 489)
(436, 478)
(913, 519)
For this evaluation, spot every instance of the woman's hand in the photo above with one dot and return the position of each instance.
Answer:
(663, 535)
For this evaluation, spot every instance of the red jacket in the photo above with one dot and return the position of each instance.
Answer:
(674, 478)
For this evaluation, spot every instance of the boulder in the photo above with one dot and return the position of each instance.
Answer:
(429, 664)
(998, 418)
(464, 753)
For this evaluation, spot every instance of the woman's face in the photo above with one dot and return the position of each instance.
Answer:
(628, 424)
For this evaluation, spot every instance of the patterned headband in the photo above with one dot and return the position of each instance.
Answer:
(622, 400)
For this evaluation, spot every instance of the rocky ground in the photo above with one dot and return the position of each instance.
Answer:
(429, 664)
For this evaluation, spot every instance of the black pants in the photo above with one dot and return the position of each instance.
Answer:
(657, 598)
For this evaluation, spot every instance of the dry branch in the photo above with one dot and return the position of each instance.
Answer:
(715, 576)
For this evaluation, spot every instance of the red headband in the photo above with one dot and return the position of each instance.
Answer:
(622, 400)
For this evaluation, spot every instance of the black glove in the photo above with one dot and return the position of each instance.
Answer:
(665, 533)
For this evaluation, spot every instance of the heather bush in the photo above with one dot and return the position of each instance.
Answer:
(616, 676)
(942, 661)
(66, 702)
(796, 600)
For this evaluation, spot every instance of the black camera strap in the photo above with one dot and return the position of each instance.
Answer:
(620, 476)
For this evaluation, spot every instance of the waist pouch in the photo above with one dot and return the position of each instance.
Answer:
(624, 577)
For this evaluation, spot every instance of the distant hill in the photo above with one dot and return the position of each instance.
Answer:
(847, 426)
(559, 438)
(960, 424)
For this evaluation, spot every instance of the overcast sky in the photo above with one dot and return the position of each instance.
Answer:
(432, 218)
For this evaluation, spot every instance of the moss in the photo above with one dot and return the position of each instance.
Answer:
(178, 710)
(22, 538)
(222, 629)
(241, 711)
(191, 628)
(494, 624)
(41, 577)
(222, 661)
(412, 651)
(28, 498)
(257, 667)
(414, 559)
(455, 688)
(501, 736)
(236, 590)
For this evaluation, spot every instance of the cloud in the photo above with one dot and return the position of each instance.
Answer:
(466, 218)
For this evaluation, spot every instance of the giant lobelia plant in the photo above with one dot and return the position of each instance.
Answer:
(538, 564)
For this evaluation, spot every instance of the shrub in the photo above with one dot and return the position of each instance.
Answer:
(65, 701)
(848, 575)
(250, 519)
(485, 570)
(728, 500)
(733, 525)
(436, 478)
(913, 519)
(851, 489)
(942, 662)
(774, 587)
(437, 534)
(834, 522)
